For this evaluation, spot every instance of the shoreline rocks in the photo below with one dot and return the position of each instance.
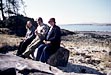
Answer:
(85, 50)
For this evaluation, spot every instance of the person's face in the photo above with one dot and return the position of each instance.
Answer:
(39, 22)
(29, 24)
(51, 23)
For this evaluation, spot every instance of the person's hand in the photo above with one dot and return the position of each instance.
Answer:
(36, 32)
(24, 39)
(46, 42)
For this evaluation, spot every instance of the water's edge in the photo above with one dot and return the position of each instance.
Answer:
(103, 28)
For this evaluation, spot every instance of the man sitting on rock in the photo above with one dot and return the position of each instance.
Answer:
(51, 42)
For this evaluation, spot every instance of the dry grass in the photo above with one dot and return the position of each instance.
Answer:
(72, 53)
(107, 61)
(10, 40)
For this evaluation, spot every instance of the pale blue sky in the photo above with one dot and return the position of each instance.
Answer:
(70, 11)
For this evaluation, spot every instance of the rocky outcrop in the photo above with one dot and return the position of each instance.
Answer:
(97, 36)
(16, 24)
(66, 32)
(60, 58)
(14, 65)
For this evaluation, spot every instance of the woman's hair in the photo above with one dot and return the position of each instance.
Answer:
(40, 19)
(28, 22)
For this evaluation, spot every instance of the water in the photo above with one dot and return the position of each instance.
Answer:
(87, 27)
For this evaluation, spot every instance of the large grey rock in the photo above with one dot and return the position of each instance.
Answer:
(10, 64)
(60, 58)
(14, 65)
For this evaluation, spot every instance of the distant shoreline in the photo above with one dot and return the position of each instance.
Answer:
(87, 24)
(87, 27)
(95, 32)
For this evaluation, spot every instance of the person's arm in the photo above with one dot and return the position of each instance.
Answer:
(44, 30)
(32, 34)
(54, 38)
(26, 35)
(36, 32)
(46, 42)
(57, 34)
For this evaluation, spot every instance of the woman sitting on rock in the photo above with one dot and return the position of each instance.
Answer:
(30, 35)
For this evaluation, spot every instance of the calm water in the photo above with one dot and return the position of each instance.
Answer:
(86, 27)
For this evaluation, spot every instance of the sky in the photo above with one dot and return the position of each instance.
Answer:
(70, 11)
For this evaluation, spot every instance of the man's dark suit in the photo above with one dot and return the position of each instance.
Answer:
(46, 50)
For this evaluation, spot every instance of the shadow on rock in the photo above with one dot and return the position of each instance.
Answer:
(6, 48)
(34, 71)
(79, 69)
(10, 71)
